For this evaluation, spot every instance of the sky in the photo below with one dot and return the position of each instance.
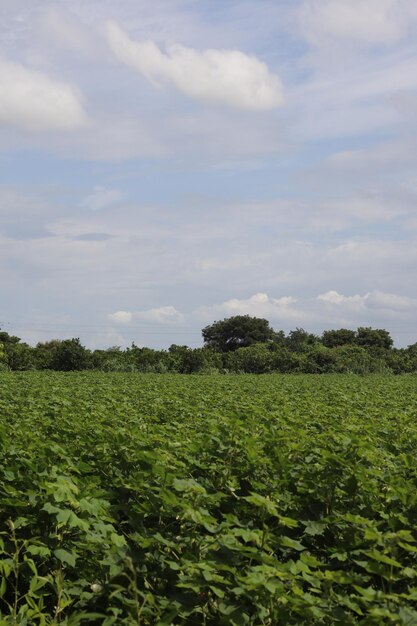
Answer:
(168, 163)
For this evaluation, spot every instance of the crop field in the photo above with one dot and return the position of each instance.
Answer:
(168, 499)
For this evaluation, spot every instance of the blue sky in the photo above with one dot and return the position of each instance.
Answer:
(166, 163)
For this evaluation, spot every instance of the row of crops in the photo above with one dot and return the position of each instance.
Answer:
(158, 500)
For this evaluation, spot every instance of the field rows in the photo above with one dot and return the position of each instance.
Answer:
(158, 500)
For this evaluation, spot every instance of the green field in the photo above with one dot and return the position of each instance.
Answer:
(264, 500)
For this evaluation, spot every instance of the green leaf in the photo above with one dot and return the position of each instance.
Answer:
(314, 528)
(408, 616)
(217, 591)
(382, 558)
(368, 593)
(68, 558)
(291, 543)
(36, 583)
(117, 540)
(37, 550)
(262, 502)
(50, 508)
(3, 586)
(67, 517)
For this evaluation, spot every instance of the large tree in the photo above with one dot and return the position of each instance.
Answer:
(236, 332)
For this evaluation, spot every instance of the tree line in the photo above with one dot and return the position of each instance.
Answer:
(239, 344)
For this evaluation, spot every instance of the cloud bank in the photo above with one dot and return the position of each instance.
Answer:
(331, 309)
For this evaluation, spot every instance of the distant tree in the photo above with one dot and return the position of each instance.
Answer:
(15, 355)
(187, 360)
(149, 360)
(411, 352)
(279, 338)
(44, 353)
(374, 338)
(113, 359)
(352, 360)
(20, 356)
(236, 332)
(255, 359)
(318, 359)
(70, 355)
(400, 361)
(284, 360)
(7, 339)
(299, 340)
(3, 364)
(341, 337)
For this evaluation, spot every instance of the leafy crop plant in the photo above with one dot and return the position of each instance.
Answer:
(207, 500)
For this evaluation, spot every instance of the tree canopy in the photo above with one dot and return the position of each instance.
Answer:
(239, 331)
(341, 337)
(236, 344)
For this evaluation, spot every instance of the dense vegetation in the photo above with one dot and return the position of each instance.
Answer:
(237, 344)
(159, 500)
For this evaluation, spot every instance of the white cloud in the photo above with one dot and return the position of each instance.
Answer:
(121, 317)
(227, 77)
(335, 298)
(160, 315)
(258, 305)
(367, 21)
(32, 101)
(101, 198)
(372, 300)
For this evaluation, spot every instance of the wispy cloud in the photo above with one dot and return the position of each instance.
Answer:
(373, 22)
(101, 198)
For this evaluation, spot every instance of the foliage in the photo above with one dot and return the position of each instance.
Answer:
(238, 344)
(167, 500)
(352, 359)
(317, 359)
(112, 360)
(186, 360)
(341, 337)
(256, 359)
(70, 355)
(374, 338)
(14, 354)
(44, 353)
(299, 340)
(239, 331)
(20, 357)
